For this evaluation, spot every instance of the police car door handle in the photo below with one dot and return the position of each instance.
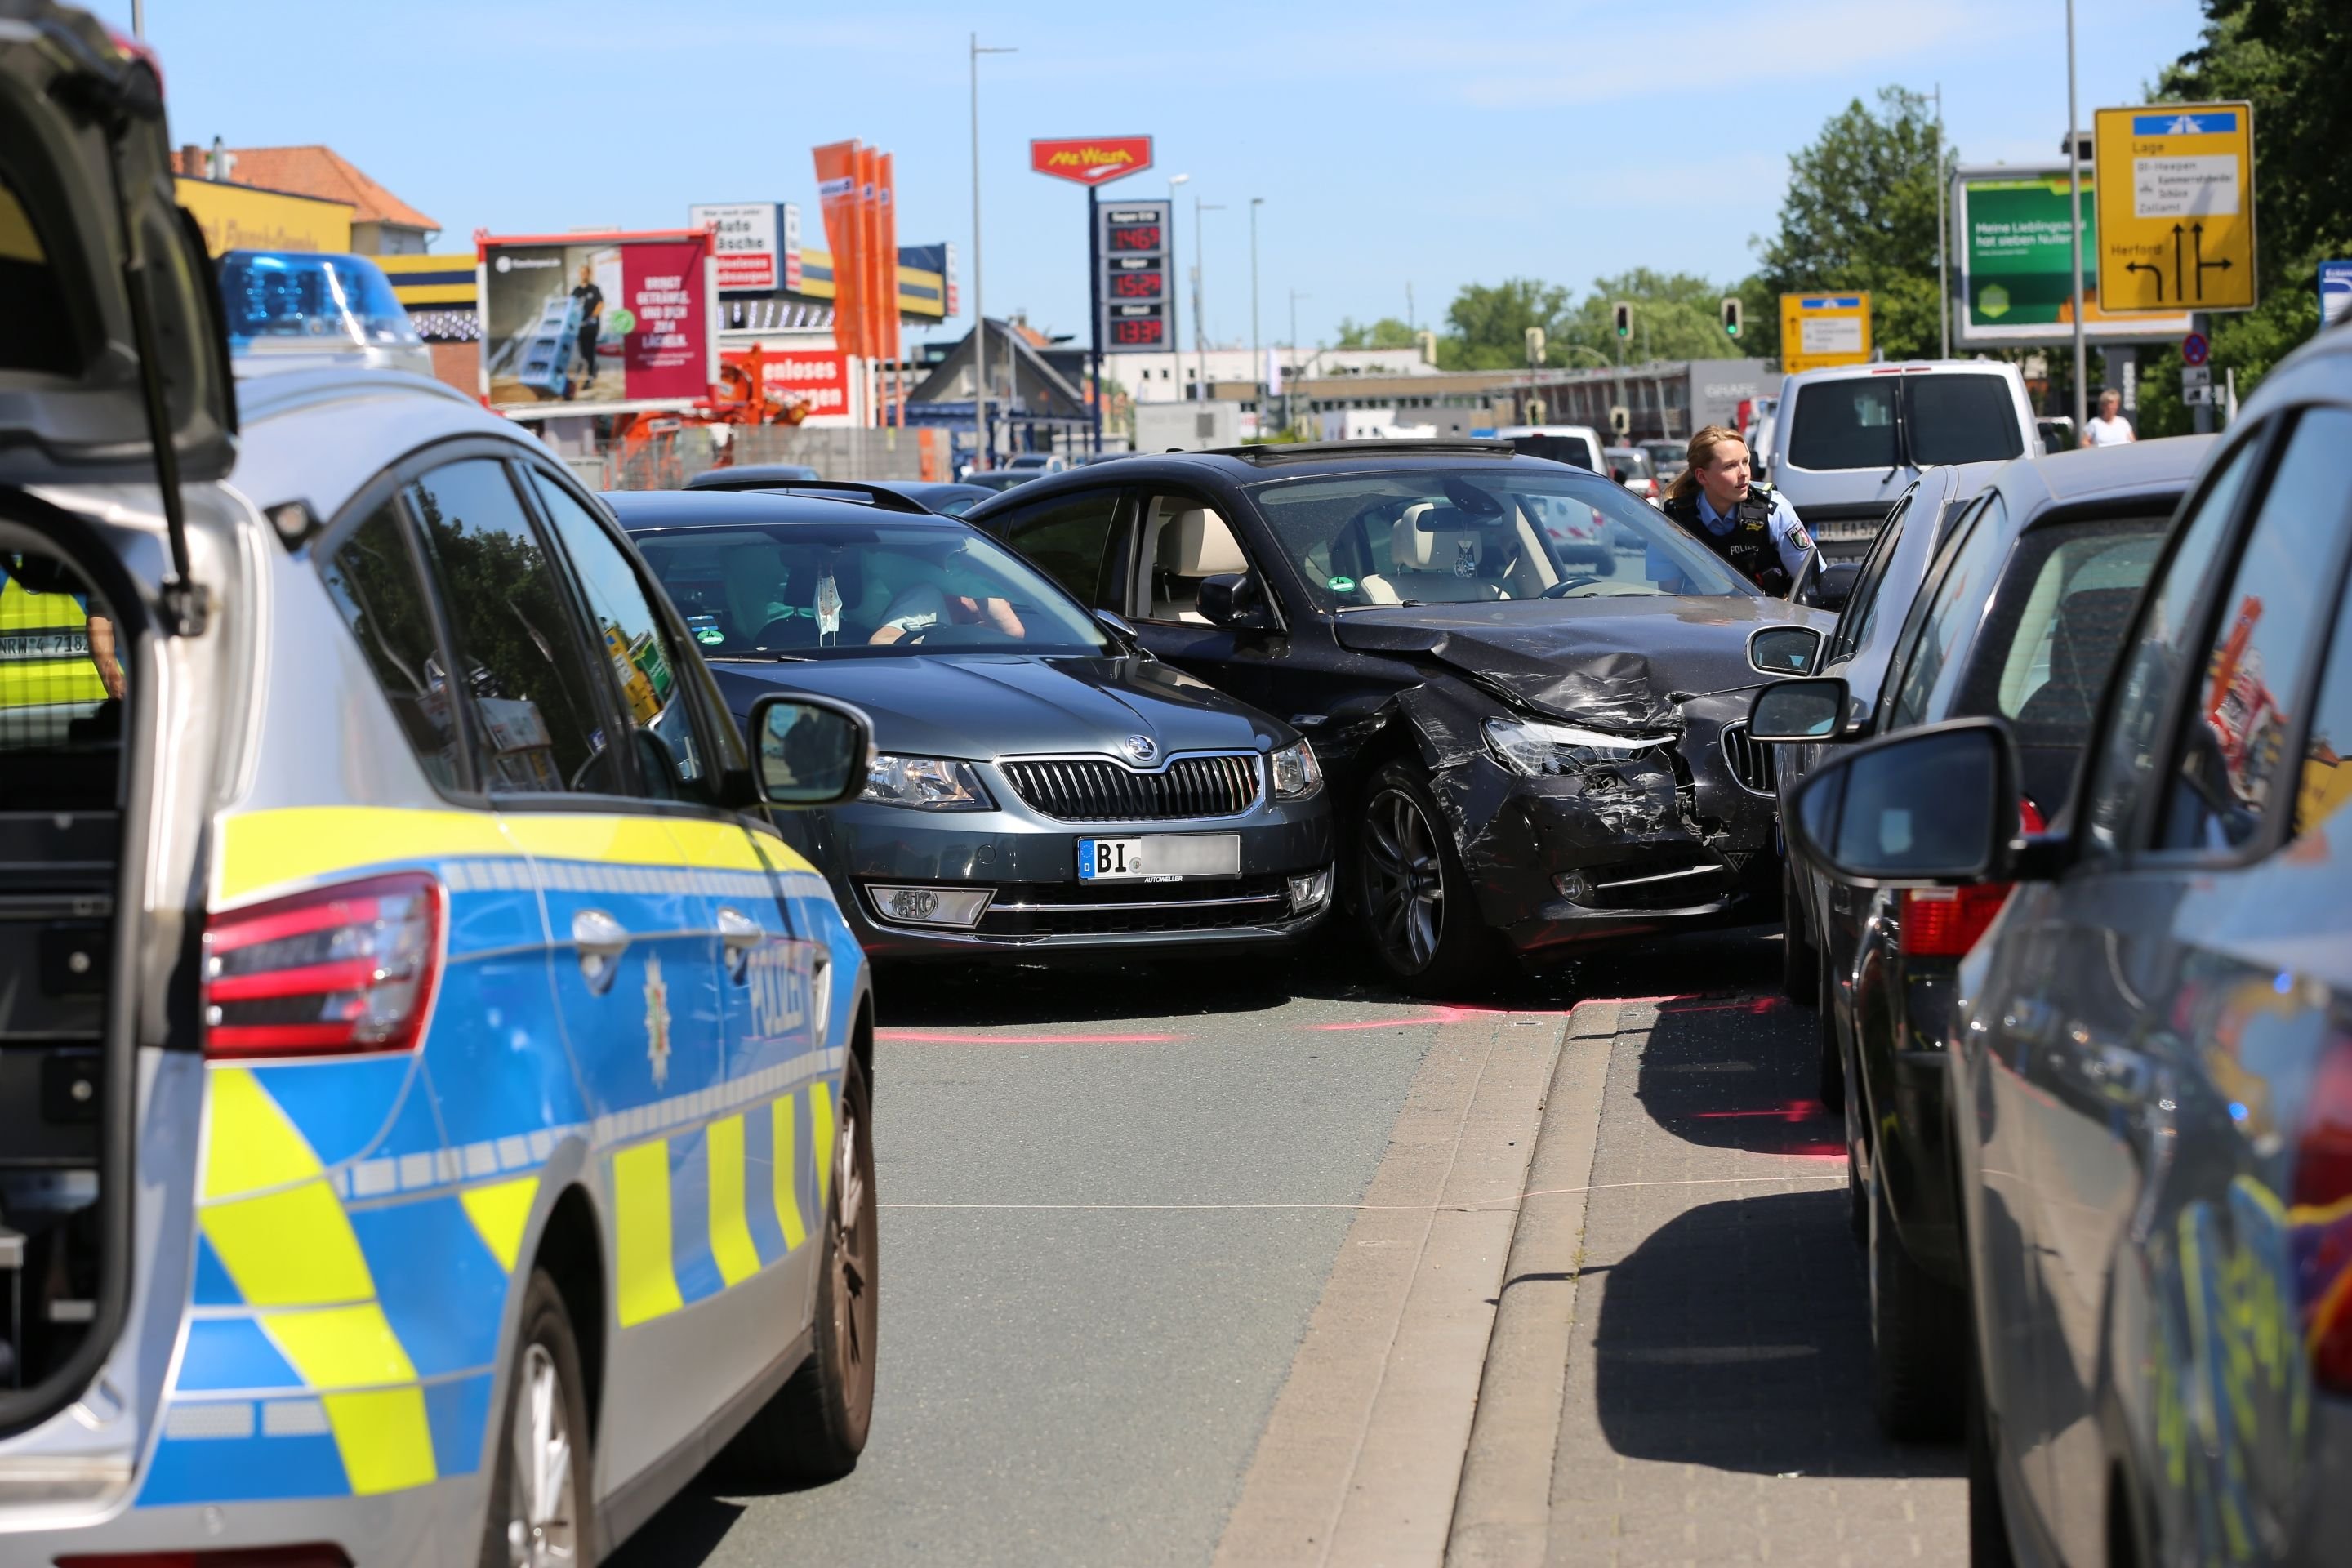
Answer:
(738, 933)
(601, 940)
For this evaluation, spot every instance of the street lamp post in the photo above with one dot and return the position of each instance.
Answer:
(982, 445)
(1175, 326)
(1258, 354)
(1291, 374)
(1943, 240)
(2075, 179)
(1200, 310)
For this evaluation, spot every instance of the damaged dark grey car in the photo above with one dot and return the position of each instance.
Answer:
(1528, 687)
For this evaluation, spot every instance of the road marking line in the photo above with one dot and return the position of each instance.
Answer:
(1361, 1455)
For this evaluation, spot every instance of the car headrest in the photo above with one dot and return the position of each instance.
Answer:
(1433, 537)
(1205, 546)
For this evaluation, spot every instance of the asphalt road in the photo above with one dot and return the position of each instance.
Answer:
(1112, 1201)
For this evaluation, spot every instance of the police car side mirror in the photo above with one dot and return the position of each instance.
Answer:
(810, 750)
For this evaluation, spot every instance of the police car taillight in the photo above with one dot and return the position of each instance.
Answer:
(343, 969)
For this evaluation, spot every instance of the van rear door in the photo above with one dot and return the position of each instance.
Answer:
(112, 330)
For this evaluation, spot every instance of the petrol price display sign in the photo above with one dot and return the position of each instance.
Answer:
(1133, 245)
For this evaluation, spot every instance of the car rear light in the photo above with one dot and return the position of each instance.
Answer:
(343, 969)
(1944, 922)
(2320, 1233)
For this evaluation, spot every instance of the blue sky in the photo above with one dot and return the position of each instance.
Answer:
(1428, 143)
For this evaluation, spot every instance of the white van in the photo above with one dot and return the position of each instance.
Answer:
(1577, 443)
(1846, 442)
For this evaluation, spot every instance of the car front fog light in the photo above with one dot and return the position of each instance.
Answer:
(1309, 892)
(1297, 773)
(1574, 886)
(930, 906)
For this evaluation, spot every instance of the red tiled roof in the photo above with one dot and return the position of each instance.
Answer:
(323, 171)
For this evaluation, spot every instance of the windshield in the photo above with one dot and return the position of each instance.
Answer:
(1452, 537)
(849, 589)
(310, 300)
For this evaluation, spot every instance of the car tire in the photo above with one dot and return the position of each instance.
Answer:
(1412, 894)
(1800, 961)
(1830, 1071)
(541, 1508)
(1988, 1516)
(1914, 1320)
(816, 1426)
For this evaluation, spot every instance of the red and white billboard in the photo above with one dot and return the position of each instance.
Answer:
(1091, 160)
(597, 318)
(821, 376)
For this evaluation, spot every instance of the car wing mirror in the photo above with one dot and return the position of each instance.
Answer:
(1832, 584)
(1811, 709)
(1233, 599)
(809, 751)
(1929, 807)
(1120, 630)
(1784, 650)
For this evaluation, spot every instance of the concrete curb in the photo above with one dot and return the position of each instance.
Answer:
(1502, 1506)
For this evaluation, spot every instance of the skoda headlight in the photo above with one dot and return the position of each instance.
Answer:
(1525, 746)
(925, 784)
(1297, 773)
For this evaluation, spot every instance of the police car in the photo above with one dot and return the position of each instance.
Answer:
(434, 1100)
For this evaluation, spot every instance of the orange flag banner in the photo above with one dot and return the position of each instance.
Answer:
(888, 248)
(838, 186)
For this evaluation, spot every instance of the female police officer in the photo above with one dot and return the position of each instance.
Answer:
(1753, 529)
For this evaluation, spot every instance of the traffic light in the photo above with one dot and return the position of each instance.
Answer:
(1535, 345)
(1732, 317)
(1624, 318)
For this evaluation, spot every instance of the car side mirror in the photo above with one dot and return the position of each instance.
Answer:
(1936, 806)
(1798, 710)
(1832, 584)
(1233, 599)
(1118, 627)
(810, 750)
(1784, 650)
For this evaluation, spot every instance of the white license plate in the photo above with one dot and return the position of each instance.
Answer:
(1159, 857)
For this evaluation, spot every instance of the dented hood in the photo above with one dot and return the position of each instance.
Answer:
(1610, 664)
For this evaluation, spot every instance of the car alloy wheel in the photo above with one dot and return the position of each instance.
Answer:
(543, 1503)
(855, 1307)
(1404, 882)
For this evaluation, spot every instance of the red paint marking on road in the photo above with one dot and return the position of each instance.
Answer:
(928, 1037)
(1646, 1001)
(1758, 1006)
(1815, 1151)
(1794, 1111)
(1449, 1013)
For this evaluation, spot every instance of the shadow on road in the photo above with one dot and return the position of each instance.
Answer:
(1736, 1072)
(1736, 1337)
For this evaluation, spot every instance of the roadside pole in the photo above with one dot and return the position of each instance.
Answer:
(1095, 300)
(2074, 181)
(2202, 415)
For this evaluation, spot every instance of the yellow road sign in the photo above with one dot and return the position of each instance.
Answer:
(1827, 328)
(2175, 207)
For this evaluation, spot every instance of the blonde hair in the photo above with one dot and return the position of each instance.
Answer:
(1702, 448)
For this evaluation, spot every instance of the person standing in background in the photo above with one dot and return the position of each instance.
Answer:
(2109, 428)
(592, 315)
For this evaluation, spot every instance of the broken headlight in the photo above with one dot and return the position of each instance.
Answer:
(1525, 746)
(1297, 773)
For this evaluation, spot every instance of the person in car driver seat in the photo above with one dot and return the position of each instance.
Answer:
(1755, 529)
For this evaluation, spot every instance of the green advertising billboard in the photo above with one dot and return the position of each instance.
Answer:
(2014, 228)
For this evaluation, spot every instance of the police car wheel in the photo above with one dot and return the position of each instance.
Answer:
(1414, 895)
(815, 1427)
(539, 1514)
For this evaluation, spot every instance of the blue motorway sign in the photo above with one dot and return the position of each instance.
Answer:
(2334, 291)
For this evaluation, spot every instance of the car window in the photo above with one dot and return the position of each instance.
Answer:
(1861, 612)
(1572, 449)
(644, 663)
(2156, 646)
(523, 672)
(60, 728)
(1454, 536)
(2280, 601)
(2326, 784)
(1960, 418)
(373, 580)
(862, 588)
(1959, 597)
(1845, 425)
(1070, 541)
(2046, 653)
(37, 330)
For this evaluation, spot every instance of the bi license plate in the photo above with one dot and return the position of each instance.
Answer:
(1159, 857)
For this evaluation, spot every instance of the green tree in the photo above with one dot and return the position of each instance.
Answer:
(1677, 316)
(2283, 57)
(1387, 333)
(1490, 322)
(1861, 214)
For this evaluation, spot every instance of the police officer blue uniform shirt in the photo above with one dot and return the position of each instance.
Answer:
(1789, 535)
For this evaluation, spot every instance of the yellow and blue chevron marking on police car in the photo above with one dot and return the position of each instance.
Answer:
(360, 1220)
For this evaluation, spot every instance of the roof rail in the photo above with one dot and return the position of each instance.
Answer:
(1307, 451)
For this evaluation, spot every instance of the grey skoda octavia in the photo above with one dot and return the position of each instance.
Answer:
(1042, 782)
